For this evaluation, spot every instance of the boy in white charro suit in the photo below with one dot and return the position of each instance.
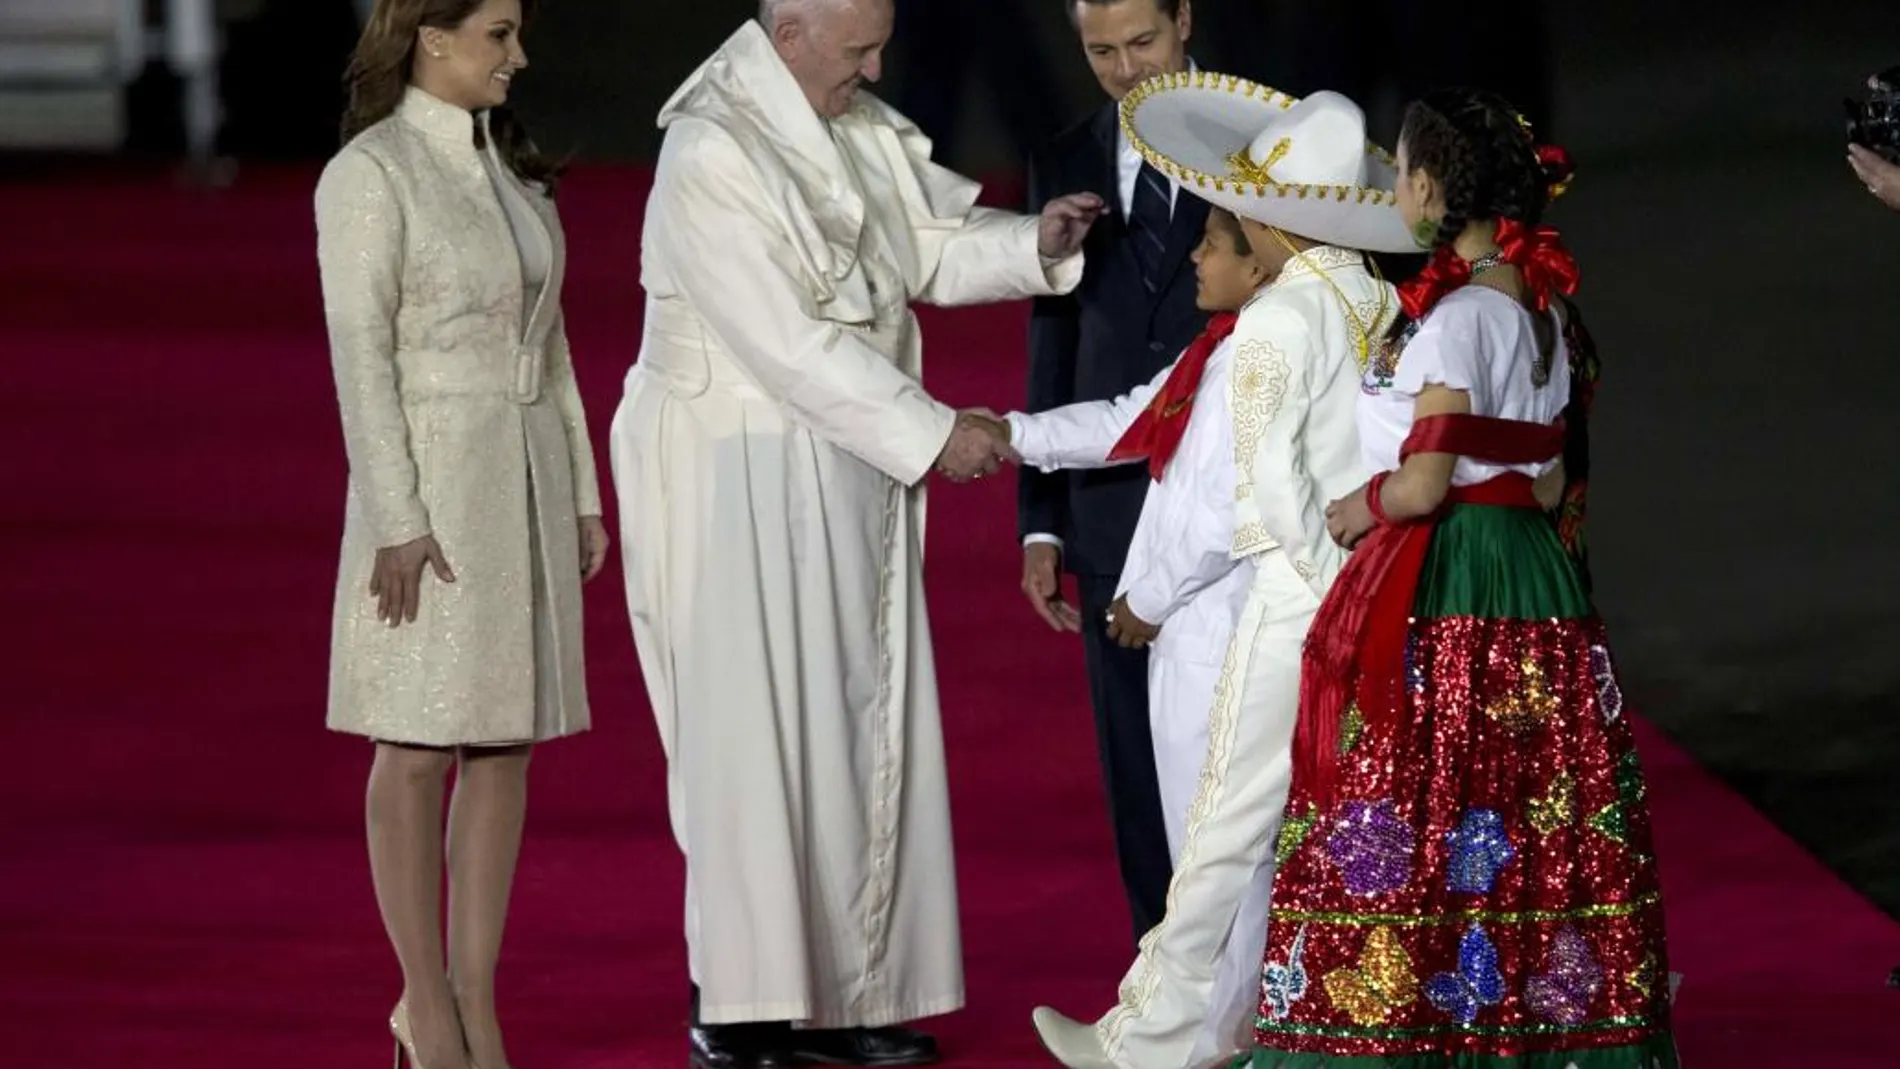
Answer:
(1248, 435)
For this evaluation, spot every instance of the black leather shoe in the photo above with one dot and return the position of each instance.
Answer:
(750, 1045)
(739, 1046)
(879, 1047)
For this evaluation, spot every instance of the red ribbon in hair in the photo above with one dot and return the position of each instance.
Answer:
(1538, 253)
(1558, 168)
(1156, 433)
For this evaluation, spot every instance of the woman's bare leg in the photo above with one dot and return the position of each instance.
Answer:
(404, 808)
(485, 820)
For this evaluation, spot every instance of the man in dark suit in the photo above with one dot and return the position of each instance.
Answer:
(1130, 317)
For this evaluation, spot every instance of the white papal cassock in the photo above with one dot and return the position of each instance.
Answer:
(768, 456)
(1290, 394)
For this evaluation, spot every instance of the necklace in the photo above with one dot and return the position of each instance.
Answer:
(1487, 262)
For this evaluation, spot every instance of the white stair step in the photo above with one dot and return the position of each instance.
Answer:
(57, 61)
(77, 119)
(32, 18)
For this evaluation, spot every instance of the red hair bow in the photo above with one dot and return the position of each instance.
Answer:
(1540, 256)
(1537, 252)
(1557, 168)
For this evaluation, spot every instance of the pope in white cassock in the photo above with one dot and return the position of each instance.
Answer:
(769, 454)
(1231, 555)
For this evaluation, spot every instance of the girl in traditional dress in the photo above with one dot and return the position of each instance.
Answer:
(1466, 873)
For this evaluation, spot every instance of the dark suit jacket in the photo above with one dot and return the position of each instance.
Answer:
(1101, 341)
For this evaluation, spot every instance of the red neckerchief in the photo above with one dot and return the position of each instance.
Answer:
(1156, 433)
(1537, 252)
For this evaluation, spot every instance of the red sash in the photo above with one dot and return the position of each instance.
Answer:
(1156, 433)
(1355, 651)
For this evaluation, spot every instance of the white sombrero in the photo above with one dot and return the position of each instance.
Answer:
(1301, 165)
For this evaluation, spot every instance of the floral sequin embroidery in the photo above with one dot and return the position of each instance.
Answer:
(1530, 704)
(1609, 693)
(1563, 993)
(1476, 983)
(1380, 983)
(1479, 849)
(1284, 983)
(1371, 847)
(1557, 808)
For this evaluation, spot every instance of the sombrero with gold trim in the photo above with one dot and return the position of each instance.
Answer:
(1303, 165)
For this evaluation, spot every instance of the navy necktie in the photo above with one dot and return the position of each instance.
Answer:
(1149, 218)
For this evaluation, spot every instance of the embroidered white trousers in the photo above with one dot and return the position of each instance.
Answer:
(1191, 995)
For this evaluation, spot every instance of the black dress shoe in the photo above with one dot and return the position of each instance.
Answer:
(749, 1045)
(739, 1046)
(880, 1047)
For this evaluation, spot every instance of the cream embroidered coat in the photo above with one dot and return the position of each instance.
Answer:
(461, 419)
(1294, 395)
(767, 457)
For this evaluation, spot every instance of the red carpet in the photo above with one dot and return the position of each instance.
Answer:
(183, 884)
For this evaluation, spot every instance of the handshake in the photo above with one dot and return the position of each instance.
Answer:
(978, 445)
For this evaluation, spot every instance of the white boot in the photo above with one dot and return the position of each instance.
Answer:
(1073, 1043)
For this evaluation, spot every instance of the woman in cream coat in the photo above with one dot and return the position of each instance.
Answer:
(474, 512)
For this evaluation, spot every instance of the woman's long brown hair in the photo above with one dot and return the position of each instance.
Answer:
(384, 61)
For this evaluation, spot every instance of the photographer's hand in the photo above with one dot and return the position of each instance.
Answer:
(1882, 178)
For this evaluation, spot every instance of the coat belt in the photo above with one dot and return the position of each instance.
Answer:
(425, 374)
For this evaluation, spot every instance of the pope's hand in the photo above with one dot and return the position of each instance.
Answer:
(977, 445)
(1065, 222)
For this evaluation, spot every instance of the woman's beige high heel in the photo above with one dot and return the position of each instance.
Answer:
(405, 1043)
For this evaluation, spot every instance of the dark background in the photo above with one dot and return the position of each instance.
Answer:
(1739, 280)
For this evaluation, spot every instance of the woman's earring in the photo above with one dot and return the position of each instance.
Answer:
(1425, 233)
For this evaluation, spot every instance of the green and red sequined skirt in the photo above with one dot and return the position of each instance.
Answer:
(1474, 885)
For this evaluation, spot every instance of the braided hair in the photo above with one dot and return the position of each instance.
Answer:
(1481, 155)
